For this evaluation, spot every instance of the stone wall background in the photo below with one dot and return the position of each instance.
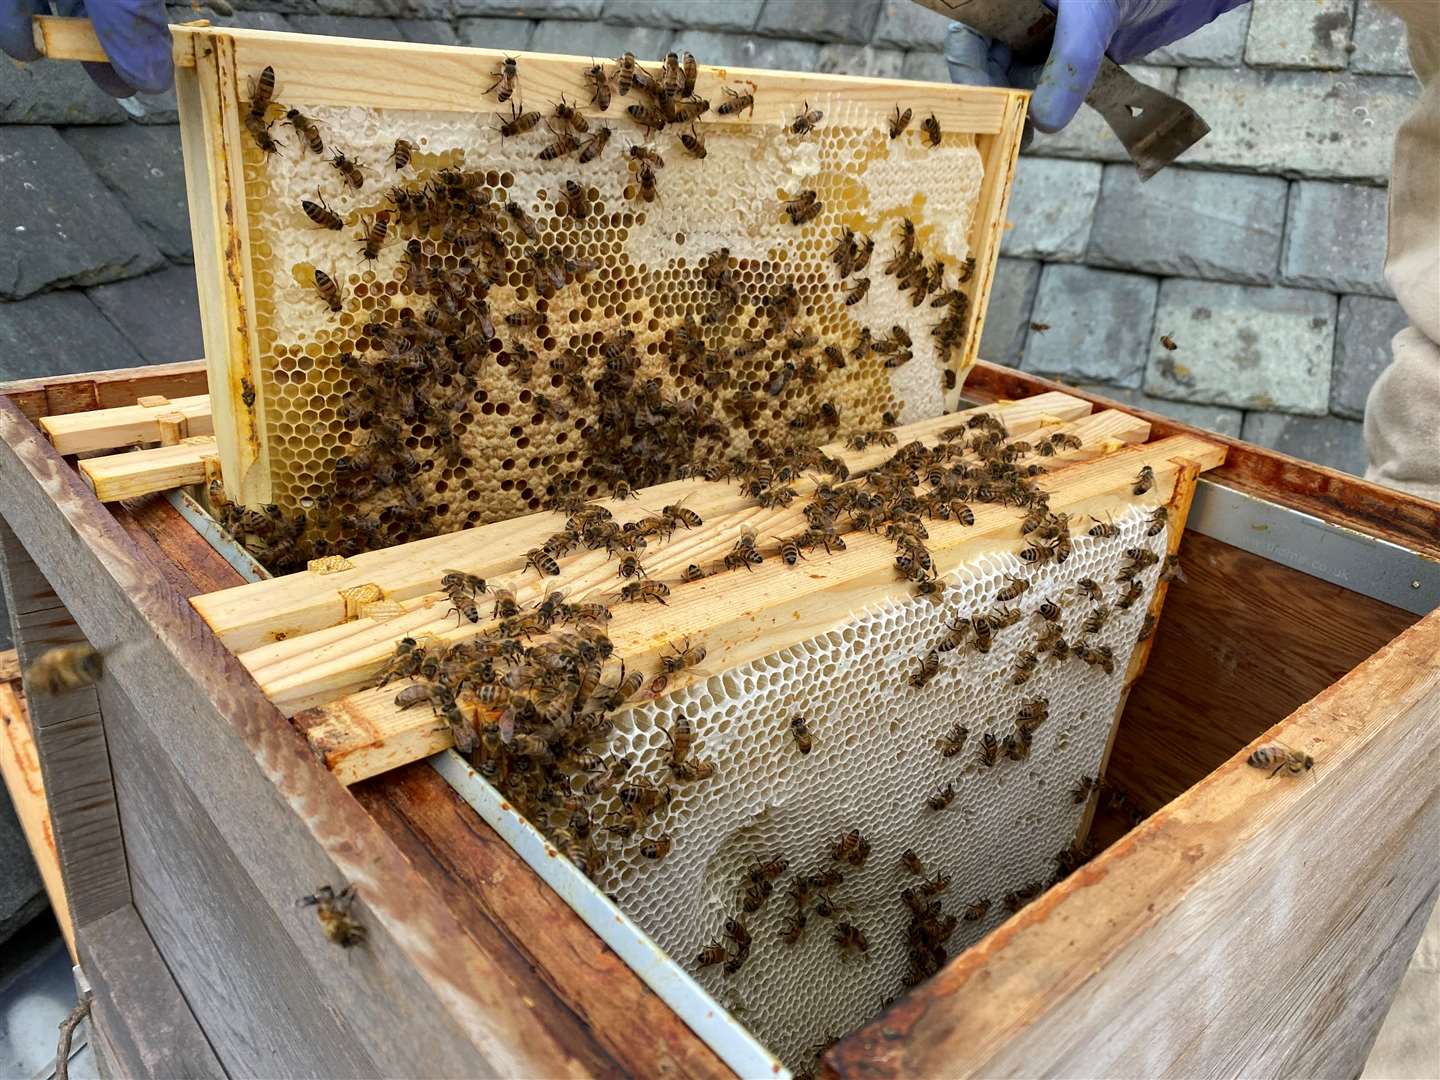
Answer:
(1261, 256)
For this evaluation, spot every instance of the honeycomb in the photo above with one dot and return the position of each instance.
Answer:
(873, 763)
(490, 451)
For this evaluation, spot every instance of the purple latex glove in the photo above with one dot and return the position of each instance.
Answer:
(134, 34)
(1085, 31)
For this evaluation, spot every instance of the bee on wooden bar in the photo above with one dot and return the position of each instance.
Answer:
(570, 116)
(899, 122)
(648, 117)
(594, 146)
(976, 910)
(333, 909)
(350, 169)
(1170, 570)
(520, 122)
(789, 550)
(262, 89)
(372, 234)
(657, 848)
(689, 72)
(928, 669)
(804, 207)
(800, 729)
(684, 112)
(507, 79)
(857, 292)
(541, 561)
(65, 667)
(940, 799)
(328, 289)
(1145, 481)
(1147, 628)
(307, 131)
(805, 120)
(1278, 756)
(1158, 520)
(644, 592)
(683, 658)
(564, 143)
(1017, 899)
(693, 142)
(321, 214)
(736, 102)
(989, 750)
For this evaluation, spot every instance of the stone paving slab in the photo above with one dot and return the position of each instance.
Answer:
(1209, 417)
(531, 9)
(1007, 316)
(61, 226)
(371, 28)
(738, 16)
(1335, 238)
(53, 92)
(1335, 126)
(143, 166)
(601, 39)
(1052, 206)
(1331, 441)
(907, 25)
(1309, 34)
(1097, 325)
(1379, 41)
(158, 314)
(748, 50)
(427, 32)
(925, 66)
(819, 20)
(1190, 223)
(1362, 350)
(59, 333)
(496, 33)
(1243, 346)
(864, 60)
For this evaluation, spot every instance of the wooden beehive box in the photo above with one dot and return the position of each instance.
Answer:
(205, 791)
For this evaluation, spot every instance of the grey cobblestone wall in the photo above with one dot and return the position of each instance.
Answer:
(1260, 255)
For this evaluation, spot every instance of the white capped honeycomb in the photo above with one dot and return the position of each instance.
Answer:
(647, 280)
(873, 764)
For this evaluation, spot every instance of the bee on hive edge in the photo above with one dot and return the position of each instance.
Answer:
(736, 103)
(600, 88)
(805, 120)
(570, 115)
(800, 729)
(262, 89)
(899, 122)
(333, 910)
(520, 121)
(931, 128)
(688, 657)
(1144, 481)
(1278, 756)
(507, 78)
(307, 130)
(694, 143)
(65, 667)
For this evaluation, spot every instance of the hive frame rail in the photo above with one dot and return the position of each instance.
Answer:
(335, 71)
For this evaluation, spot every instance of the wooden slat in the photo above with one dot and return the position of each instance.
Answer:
(318, 70)
(303, 603)
(57, 394)
(301, 672)
(145, 472)
(1144, 962)
(20, 767)
(128, 425)
(279, 825)
(751, 616)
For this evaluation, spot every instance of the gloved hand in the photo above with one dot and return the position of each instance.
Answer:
(1085, 31)
(134, 33)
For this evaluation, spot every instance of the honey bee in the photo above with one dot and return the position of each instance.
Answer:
(1133, 592)
(989, 750)
(647, 191)
(789, 550)
(1017, 746)
(260, 132)
(506, 606)
(736, 931)
(321, 214)
(644, 592)
(899, 122)
(1170, 570)
(736, 103)
(648, 117)
(1104, 529)
(1082, 790)
(626, 71)
(804, 207)
(793, 928)
(372, 234)
(542, 562)
(1280, 757)
(520, 122)
(307, 131)
(800, 729)
(577, 201)
(1013, 590)
(1032, 714)
(736, 962)
(333, 910)
(349, 168)
(570, 116)
(1101, 656)
(262, 90)
(941, 798)
(65, 667)
(805, 120)
(401, 153)
(714, 953)
(329, 291)
(600, 89)
(594, 146)
(931, 129)
(688, 657)
(507, 78)
(693, 142)
(953, 741)
(756, 893)
(852, 848)
(693, 572)
(850, 939)
(1147, 628)
(857, 292)
(1158, 520)
(657, 848)
(1145, 481)
(564, 143)
(1168, 343)
(1017, 899)
(929, 667)
(689, 72)
(976, 910)
(629, 567)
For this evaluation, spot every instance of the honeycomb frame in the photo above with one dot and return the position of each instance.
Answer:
(276, 401)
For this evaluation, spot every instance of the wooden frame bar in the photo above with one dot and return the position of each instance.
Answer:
(144, 472)
(125, 425)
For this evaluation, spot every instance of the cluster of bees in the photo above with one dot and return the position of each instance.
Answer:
(418, 372)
